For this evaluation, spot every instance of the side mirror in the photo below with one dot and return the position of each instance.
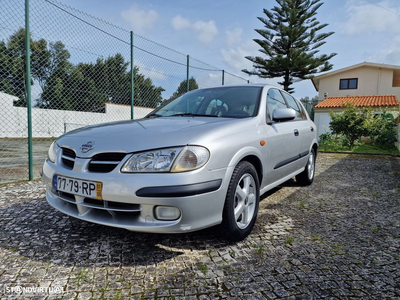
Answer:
(284, 114)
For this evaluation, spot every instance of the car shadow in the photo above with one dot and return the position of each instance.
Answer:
(36, 231)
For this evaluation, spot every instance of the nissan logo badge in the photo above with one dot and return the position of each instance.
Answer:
(87, 147)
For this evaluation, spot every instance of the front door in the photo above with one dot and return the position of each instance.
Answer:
(282, 142)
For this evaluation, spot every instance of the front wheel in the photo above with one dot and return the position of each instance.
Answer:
(241, 202)
(307, 176)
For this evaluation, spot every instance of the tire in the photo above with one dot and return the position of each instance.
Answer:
(307, 176)
(241, 203)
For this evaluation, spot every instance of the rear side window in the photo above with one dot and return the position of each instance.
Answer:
(300, 114)
(274, 101)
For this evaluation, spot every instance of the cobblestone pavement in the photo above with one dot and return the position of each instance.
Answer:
(337, 239)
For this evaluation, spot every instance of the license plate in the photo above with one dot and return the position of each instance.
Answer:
(85, 188)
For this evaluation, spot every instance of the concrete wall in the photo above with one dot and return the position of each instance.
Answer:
(371, 81)
(52, 122)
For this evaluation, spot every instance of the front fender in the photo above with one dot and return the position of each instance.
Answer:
(240, 155)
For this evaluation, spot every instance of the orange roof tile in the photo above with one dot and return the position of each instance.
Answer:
(360, 101)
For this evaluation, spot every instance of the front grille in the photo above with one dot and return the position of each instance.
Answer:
(105, 162)
(110, 205)
(68, 158)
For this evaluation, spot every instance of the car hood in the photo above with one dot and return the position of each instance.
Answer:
(138, 135)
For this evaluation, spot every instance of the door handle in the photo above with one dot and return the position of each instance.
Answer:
(296, 132)
(312, 129)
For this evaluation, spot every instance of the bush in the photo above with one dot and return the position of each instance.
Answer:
(353, 124)
(382, 129)
(327, 142)
(350, 123)
(325, 139)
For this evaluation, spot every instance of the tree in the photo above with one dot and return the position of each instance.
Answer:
(314, 100)
(12, 65)
(45, 62)
(11, 73)
(290, 43)
(146, 94)
(50, 61)
(182, 88)
(309, 104)
(80, 87)
(87, 86)
(52, 71)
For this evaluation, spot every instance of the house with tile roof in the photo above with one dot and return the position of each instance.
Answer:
(359, 80)
(372, 85)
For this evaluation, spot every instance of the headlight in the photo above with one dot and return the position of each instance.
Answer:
(167, 160)
(151, 161)
(52, 153)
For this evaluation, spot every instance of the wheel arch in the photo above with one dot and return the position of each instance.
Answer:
(252, 155)
(315, 147)
(256, 162)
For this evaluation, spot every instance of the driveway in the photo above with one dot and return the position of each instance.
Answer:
(336, 239)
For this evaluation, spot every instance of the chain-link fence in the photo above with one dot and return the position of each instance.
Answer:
(80, 70)
(310, 104)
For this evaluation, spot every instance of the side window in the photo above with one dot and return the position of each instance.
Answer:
(274, 100)
(300, 114)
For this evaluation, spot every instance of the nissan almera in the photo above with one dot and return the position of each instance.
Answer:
(200, 160)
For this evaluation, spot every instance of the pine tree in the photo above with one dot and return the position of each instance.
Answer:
(290, 43)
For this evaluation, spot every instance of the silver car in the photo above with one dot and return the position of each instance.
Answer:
(200, 160)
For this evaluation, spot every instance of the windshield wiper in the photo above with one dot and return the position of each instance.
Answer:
(192, 115)
(154, 116)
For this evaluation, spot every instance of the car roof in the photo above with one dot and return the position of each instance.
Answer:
(243, 85)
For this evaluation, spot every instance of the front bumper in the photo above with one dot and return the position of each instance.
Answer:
(130, 200)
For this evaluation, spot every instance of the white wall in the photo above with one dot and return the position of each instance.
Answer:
(371, 81)
(322, 121)
(52, 122)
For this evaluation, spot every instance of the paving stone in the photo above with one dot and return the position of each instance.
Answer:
(345, 229)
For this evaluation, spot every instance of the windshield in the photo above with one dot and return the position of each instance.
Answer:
(229, 102)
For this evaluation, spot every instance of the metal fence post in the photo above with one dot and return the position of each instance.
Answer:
(132, 78)
(187, 74)
(223, 77)
(28, 88)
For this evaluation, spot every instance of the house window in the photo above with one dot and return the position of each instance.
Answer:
(348, 84)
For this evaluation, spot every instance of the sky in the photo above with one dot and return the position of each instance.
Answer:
(221, 32)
